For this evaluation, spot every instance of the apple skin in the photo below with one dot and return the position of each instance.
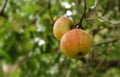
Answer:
(75, 43)
(61, 26)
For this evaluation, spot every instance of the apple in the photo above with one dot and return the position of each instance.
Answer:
(61, 26)
(75, 43)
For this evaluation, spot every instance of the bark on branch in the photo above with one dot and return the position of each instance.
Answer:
(2, 12)
(82, 17)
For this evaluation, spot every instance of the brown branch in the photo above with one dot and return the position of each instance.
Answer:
(107, 42)
(97, 67)
(107, 65)
(101, 61)
(3, 9)
(82, 17)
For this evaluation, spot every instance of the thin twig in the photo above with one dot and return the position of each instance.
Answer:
(106, 42)
(50, 13)
(101, 61)
(82, 17)
(97, 67)
(3, 8)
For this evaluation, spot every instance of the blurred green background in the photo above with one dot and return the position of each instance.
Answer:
(28, 47)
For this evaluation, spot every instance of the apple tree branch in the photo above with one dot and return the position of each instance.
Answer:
(2, 11)
(82, 17)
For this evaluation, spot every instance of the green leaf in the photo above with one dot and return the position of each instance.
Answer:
(5, 56)
(90, 3)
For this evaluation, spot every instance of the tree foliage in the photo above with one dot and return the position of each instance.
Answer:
(28, 47)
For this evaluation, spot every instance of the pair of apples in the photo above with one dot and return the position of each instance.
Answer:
(74, 43)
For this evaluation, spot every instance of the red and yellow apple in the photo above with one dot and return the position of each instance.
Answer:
(61, 26)
(75, 43)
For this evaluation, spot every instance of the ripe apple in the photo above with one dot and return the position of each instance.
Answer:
(61, 26)
(75, 43)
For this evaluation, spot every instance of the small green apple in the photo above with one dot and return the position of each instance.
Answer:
(75, 43)
(61, 26)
